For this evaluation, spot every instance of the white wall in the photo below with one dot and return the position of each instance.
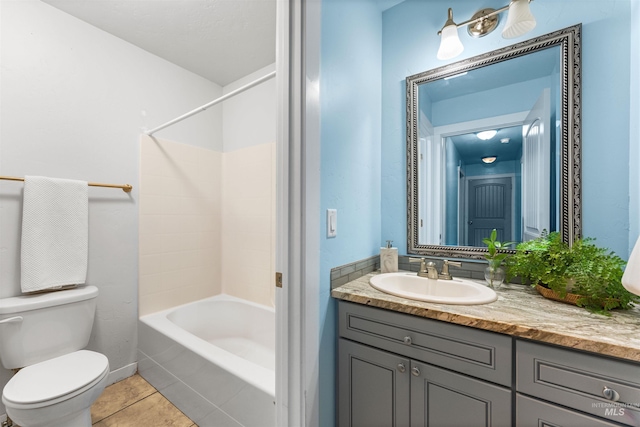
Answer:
(74, 100)
(249, 118)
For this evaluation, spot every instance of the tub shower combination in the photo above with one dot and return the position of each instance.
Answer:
(214, 359)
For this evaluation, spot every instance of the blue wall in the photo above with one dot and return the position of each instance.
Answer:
(350, 158)
(366, 55)
(410, 43)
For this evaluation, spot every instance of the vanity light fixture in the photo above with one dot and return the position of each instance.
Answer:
(486, 135)
(520, 20)
(489, 159)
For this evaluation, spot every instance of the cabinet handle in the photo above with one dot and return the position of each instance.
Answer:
(401, 368)
(407, 340)
(610, 394)
(415, 371)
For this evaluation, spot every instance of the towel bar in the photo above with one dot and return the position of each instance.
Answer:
(125, 187)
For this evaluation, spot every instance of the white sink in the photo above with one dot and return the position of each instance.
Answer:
(455, 291)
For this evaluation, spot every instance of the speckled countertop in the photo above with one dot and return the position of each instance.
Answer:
(521, 312)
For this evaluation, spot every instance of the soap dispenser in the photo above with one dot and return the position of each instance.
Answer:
(389, 258)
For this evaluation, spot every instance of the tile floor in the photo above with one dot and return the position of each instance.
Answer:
(133, 402)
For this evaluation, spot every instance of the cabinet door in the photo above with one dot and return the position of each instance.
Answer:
(532, 412)
(373, 387)
(441, 398)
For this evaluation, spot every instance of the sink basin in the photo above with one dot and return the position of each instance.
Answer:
(455, 291)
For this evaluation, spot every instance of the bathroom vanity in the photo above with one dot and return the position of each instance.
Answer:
(522, 361)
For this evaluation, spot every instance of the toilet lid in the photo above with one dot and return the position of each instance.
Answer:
(56, 377)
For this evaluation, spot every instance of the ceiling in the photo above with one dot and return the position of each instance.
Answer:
(542, 63)
(471, 149)
(220, 40)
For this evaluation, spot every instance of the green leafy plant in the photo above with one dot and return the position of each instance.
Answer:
(584, 269)
(495, 254)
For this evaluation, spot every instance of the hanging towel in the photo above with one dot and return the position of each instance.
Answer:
(631, 276)
(55, 233)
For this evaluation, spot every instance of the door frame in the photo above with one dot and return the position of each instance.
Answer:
(441, 133)
(469, 179)
(297, 211)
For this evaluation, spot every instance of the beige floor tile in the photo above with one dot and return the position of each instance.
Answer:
(152, 411)
(119, 396)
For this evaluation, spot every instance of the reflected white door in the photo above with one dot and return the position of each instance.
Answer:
(536, 171)
(429, 183)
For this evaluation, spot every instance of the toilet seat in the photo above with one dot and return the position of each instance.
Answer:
(55, 380)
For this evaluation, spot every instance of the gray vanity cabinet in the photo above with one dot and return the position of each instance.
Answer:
(374, 387)
(378, 388)
(441, 398)
(600, 386)
(533, 412)
(387, 373)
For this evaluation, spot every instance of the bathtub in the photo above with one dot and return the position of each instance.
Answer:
(214, 359)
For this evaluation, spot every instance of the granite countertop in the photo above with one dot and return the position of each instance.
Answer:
(521, 312)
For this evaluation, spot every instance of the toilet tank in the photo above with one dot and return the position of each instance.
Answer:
(34, 328)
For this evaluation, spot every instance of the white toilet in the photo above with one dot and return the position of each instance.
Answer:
(44, 334)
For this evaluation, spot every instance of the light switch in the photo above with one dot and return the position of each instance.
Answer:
(332, 222)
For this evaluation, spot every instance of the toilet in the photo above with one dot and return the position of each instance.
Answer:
(44, 335)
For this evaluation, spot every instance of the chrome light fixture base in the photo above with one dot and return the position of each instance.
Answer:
(520, 20)
(481, 27)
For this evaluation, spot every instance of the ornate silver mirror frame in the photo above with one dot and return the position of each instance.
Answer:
(569, 224)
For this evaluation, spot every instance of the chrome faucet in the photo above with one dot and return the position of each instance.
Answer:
(444, 275)
(427, 269)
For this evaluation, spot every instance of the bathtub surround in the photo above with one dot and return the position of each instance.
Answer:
(207, 216)
(179, 241)
(206, 223)
(248, 223)
(249, 190)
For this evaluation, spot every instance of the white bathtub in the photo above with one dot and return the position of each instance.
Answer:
(214, 359)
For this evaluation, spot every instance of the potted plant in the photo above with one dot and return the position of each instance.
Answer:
(494, 274)
(583, 274)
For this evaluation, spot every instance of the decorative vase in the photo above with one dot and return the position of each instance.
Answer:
(494, 276)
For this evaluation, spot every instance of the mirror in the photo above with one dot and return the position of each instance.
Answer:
(493, 141)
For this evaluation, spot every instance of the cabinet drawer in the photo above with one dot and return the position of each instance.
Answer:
(580, 380)
(532, 412)
(481, 354)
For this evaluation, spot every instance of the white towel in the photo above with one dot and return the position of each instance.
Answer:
(55, 233)
(631, 276)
